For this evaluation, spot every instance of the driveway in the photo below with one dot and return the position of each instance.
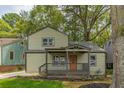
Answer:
(14, 74)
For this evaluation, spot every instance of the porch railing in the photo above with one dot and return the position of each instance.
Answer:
(64, 68)
(42, 68)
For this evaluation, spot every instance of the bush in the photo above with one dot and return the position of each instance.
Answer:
(7, 34)
(109, 71)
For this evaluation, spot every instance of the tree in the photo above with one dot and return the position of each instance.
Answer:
(23, 26)
(4, 26)
(11, 18)
(46, 16)
(117, 18)
(87, 17)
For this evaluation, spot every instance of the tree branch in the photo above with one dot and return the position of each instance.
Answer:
(101, 31)
(97, 16)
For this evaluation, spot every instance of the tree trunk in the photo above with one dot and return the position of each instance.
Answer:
(117, 20)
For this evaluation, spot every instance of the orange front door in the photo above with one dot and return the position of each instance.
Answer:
(73, 62)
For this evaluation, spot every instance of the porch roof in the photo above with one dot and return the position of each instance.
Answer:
(65, 50)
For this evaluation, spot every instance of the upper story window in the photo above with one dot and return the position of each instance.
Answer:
(92, 60)
(49, 41)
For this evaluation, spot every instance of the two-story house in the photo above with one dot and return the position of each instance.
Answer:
(50, 50)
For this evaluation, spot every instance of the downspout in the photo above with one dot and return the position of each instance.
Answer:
(46, 62)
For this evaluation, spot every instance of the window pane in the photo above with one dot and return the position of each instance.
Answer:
(11, 55)
(45, 41)
(92, 60)
(62, 58)
(51, 41)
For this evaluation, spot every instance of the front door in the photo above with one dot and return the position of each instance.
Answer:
(73, 62)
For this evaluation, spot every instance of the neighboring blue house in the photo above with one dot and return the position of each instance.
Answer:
(12, 52)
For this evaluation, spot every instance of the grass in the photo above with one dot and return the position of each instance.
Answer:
(22, 82)
(109, 71)
(28, 83)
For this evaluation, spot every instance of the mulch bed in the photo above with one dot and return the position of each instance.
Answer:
(96, 85)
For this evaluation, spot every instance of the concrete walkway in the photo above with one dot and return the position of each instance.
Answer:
(14, 74)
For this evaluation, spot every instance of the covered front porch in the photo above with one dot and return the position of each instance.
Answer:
(69, 62)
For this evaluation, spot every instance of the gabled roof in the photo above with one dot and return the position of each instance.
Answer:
(47, 27)
(77, 45)
(6, 41)
(86, 45)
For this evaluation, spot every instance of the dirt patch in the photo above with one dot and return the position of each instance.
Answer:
(83, 84)
(96, 85)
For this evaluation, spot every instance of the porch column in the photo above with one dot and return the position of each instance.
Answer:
(89, 62)
(46, 62)
(67, 60)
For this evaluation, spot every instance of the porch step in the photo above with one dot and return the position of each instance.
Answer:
(43, 74)
(66, 73)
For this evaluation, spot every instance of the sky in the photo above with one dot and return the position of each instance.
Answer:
(13, 8)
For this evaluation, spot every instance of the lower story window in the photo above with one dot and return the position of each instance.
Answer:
(92, 60)
(59, 60)
(11, 55)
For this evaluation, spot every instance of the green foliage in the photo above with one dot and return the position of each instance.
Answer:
(85, 20)
(4, 26)
(121, 30)
(80, 22)
(109, 71)
(11, 18)
(7, 34)
(102, 38)
(46, 16)
(27, 83)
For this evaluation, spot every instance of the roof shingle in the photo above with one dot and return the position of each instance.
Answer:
(5, 41)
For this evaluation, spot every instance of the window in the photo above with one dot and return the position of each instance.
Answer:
(109, 43)
(59, 60)
(56, 59)
(22, 43)
(92, 60)
(23, 55)
(62, 60)
(11, 55)
(48, 41)
(45, 40)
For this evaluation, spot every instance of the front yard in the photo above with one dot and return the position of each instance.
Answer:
(20, 82)
(27, 83)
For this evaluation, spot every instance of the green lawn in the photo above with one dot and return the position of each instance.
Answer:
(27, 83)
